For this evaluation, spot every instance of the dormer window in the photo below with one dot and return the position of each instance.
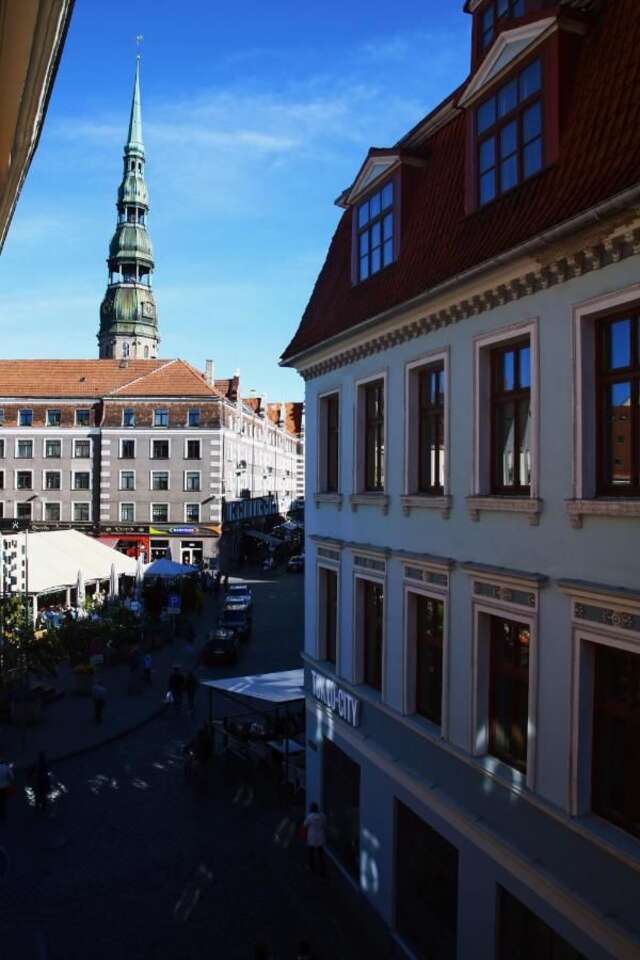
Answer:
(375, 232)
(509, 132)
(497, 10)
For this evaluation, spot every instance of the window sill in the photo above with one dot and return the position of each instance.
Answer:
(425, 502)
(380, 500)
(532, 506)
(611, 507)
(333, 498)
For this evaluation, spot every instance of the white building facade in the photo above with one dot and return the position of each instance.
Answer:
(472, 640)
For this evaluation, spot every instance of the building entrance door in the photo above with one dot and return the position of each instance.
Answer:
(191, 552)
(341, 802)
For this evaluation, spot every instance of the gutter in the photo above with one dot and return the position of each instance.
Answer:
(588, 218)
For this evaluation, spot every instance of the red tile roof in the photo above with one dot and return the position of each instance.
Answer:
(598, 158)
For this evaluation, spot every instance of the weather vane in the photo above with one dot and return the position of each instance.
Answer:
(139, 39)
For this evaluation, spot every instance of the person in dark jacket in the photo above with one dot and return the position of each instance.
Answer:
(176, 686)
(41, 783)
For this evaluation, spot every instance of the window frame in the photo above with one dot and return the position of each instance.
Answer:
(483, 346)
(323, 567)
(152, 507)
(412, 590)
(15, 480)
(80, 503)
(188, 489)
(132, 417)
(413, 369)
(45, 447)
(372, 190)
(359, 480)
(120, 480)
(2, 448)
(160, 413)
(44, 479)
(51, 503)
(362, 576)
(186, 508)
(20, 456)
(189, 440)
(152, 444)
(480, 31)
(21, 505)
(194, 410)
(28, 412)
(152, 474)
(501, 398)
(75, 474)
(83, 410)
(2, 479)
(124, 440)
(74, 452)
(322, 455)
(121, 506)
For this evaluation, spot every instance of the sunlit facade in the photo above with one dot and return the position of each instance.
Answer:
(472, 641)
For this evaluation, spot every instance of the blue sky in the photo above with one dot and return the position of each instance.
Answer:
(256, 115)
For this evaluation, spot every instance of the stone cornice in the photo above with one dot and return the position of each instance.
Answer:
(618, 245)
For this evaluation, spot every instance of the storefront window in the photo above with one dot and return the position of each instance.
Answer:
(160, 549)
(341, 802)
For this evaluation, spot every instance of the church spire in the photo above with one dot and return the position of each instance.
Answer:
(128, 320)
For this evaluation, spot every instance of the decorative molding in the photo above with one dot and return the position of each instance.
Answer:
(606, 616)
(374, 169)
(578, 509)
(369, 563)
(323, 553)
(494, 591)
(531, 506)
(380, 500)
(513, 578)
(333, 498)
(426, 574)
(584, 260)
(417, 502)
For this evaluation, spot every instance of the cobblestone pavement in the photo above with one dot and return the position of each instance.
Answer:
(134, 861)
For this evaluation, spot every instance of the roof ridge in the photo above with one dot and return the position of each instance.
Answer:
(143, 376)
(201, 377)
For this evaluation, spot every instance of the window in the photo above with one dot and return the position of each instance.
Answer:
(81, 512)
(373, 395)
(523, 935)
(193, 417)
(192, 480)
(159, 480)
(509, 134)
(23, 511)
(1, 479)
(127, 449)
(372, 633)
(25, 418)
(53, 449)
(127, 512)
(511, 419)
(615, 765)
(192, 512)
(83, 418)
(52, 479)
(431, 454)
(81, 481)
(24, 449)
(427, 887)
(160, 512)
(161, 418)
(52, 512)
(618, 404)
(329, 433)
(1, 510)
(53, 418)
(1, 449)
(375, 232)
(328, 586)
(128, 417)
(160, 449)
(494, 11)
(82, 449)
(125, 346)
(192, 450)
(509, 691)
(127, 479)
(429, 619)
(24, 480)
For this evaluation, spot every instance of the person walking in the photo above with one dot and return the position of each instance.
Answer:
(41, 783)
(191, 686)
(147, 666)
(316, 826)
(99, 693)
(176, 686)
(6, 785)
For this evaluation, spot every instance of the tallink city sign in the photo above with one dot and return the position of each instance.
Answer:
(336, 699)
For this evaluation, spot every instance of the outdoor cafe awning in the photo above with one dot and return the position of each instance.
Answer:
(286, 686)
(265, 537)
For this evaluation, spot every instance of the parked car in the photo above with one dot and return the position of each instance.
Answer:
(221, 647)
(239, 593)
(237, 620)
(296, 564)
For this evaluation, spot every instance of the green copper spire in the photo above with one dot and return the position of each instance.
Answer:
(128, 320)
(134, 140)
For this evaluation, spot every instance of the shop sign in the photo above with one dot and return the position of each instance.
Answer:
(336, 699)
(234, 511)
(182, 531)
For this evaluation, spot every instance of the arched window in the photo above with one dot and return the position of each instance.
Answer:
(125, 349)
(146, 353)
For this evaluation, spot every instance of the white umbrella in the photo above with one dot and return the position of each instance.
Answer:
(113, 582)
(80, 591)
(139, 574)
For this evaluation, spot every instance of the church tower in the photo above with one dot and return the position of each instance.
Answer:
(128, 319)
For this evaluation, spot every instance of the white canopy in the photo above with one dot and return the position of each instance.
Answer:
(168, 568)
(283, 687)
(57, 556)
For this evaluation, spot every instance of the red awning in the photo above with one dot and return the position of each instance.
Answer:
(108, 541)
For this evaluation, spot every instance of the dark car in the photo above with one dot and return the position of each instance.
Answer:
(237, 620)
(296, 564)
(221, 647)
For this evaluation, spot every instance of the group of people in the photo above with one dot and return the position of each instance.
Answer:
(181, 685)
(39, 779)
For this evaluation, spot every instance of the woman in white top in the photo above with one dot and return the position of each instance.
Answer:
(316, 827)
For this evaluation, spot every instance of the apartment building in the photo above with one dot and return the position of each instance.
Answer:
(472, 642)
(141, 453)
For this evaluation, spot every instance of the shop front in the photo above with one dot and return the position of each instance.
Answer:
(131, 541)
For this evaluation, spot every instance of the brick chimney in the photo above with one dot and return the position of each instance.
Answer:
(208, 372)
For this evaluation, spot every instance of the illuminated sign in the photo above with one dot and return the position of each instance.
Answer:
(336, 699)
(233, 511)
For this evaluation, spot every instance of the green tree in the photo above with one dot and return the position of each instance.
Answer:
(22, 652)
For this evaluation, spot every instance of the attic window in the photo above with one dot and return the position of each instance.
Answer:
(495, 11)
(375, 231)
